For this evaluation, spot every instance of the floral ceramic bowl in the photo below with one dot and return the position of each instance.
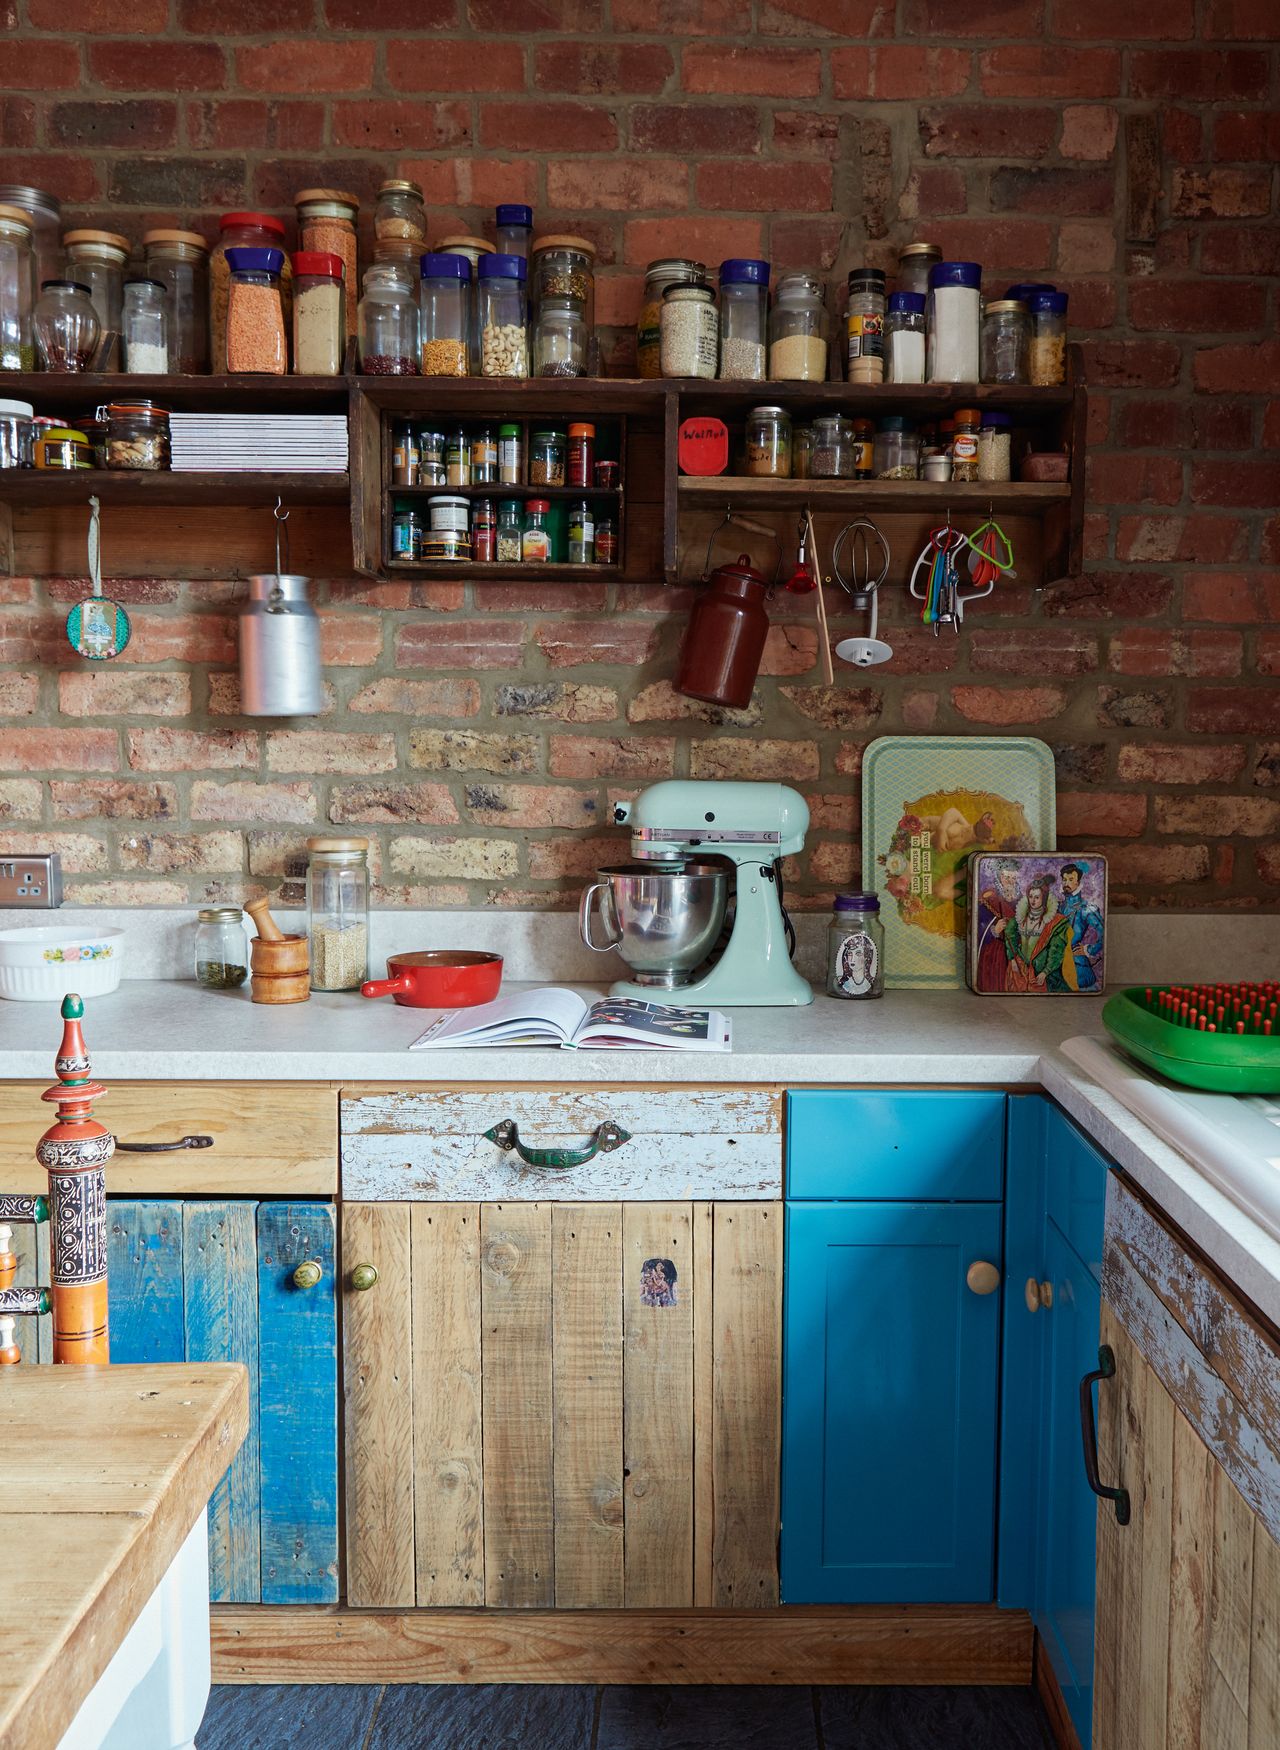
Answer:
(43, 963)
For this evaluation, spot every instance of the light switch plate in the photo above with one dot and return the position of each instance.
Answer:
(35, 880)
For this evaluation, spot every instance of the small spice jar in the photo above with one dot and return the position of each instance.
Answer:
(864, 449)
(582, 534)
(484, 457)
(802, 452)
(405, 532)
(510, 454)
(404, 456)
(17, 282)
(457, 459)
(914, 262)
(580, 455)
(833, 449)
(690, 334)
(145, 328)
(1047, 354)
(560, 341)
(995, 447)
(432, 444)
(510, 525)
(865, 325)
(255, 316)
(399, 215)
(513, 228)
(222, 948)
(484, 531)
(897, 450)
(855, 947)
(338, 912)
(768, 444)
(444, 300)
(607, 541)
(904, 346)
(535, 543)
(504, 346)
(97, 259)
(327, 226)
(744, 320)
(954, 319)
(547, 458)
(136, 435)
(66, 326)
(1006, 334)
(964, 445)
(387, 321)
(319, 320)
(671, 271)
(798, 330)
(16, 434)
(236, 231)
(180, 261)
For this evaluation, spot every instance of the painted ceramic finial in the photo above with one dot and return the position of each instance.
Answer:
(74, 1152)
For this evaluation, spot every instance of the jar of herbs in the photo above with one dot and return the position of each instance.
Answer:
(964, 445)
(338, 911)
(97, 259)
(855, 947)
(387, 343)
(255, 317)
(564, 267)
(833, 449)
(690, 336)
(222, 949)
(673, 271)
(319, 322)
(400, 215)
(327, 224)
(547, 458)
(582, 534)
(1006, 333)
(897, 449)
(865, 325)
(457, 459)
(798, 330)
(744, 320)
(768, 444)
(180, 261)
(510, 528)
(17, 280)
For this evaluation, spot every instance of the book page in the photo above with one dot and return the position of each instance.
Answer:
(619, 1022)
(537, 1017)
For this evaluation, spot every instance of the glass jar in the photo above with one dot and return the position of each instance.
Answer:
(510, 529)
(484, 531)
(833, 449)
(798, 330)
(560, 339)
(802, 452)
(457, 459)
(564, 267)
(864, 325)
(855, 947)
(180, 261)
(1006, 333)
(675, 271)
(690, 334)
(338, 912)
(399, 215)
(964, 444)
(145, 328)
(66, 326)
(17, 433)
(914, 262)
(404, 456)
(513, 228)
(237, 231)
(135, 435)
(744, 320)
(954, 319)
(327, 226)
(255, 314)
(897, 450)
(432, 446)
(582, 534)
(472, 250)
(768, 444)
(17, 288)
(1047, 353)
(96, 259)
(60, 446)
(864, 449)
(319, 321)
(449, 514)
(484, 458)
(387, 322)
(904, 352)
(405, 532)
(535, 542)
(547, 458)
(504, 320)
(222, 949)
(510, 455)
(445, 302)
(995, 447)
(580, 455)
(45, 213)
(607, 541)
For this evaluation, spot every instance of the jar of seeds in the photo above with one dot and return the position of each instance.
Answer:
(690, 336)
(338, 912)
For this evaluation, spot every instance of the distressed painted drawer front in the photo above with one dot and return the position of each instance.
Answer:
(881, 1144)
(722, 1143)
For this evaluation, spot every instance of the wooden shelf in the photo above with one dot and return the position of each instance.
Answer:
(69, 392)
(712, 492)
(524, 490)
(465, 569)
(731, 400)
(51, 486)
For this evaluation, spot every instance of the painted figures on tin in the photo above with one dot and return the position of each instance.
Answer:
(1039, 925)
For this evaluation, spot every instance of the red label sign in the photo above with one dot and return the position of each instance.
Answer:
(704, 446)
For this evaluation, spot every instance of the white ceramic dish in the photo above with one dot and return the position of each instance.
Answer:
(45, 962)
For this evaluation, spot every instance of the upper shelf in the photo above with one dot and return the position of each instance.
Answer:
(54, 486)
(714, 491)
(79, 393)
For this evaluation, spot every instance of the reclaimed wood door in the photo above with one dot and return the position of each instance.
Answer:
(562, 1405)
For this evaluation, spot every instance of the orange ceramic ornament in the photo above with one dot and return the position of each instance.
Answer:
(74, 1152)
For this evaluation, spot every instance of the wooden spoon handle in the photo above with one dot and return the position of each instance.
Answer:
(260, 911)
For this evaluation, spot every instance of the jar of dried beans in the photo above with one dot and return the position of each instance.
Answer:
(96, 259)
(658, 276)
(744, 320)
(444, 303)
(327, 225)
(798, 330)
(399, 213)
(1047, 355)
(690, 332)
(241, 231)
(768, 443)
(504, 345)
(136, 435)
(180, 261)
(255, 317)
(833, 449)
(66, 327)
(388, 322)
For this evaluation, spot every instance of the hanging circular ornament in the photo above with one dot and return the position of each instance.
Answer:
(97, 628)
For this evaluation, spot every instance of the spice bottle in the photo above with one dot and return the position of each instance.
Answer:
(914, 262)
(582, 534)
(994, 447)
(768, 444)
(255, 318)
(690, 332)
(327, 225)
(236, 231)
(580, 455)
(457, 459)
(964, 445)
(17, 281)
(673, 271)
(222, 950)
(1047, 355)
(504, 346)
(802, 441)
(444, 300)
(798, 330)
(319, 322)
(547, 458)
(509, 531)
(535, 544)
(338, 912)
(510, 455)
(484, 531)
(744, 320)
(399, 216)
(180, 261)
(904, 352)
(66, 326)
(607, 541)
(865, 325)
(405, 534)
(855, 947)
(96, 259)
(144, 326)
(484, 457)
(1006, 331)
(954, 313)
(513, 228)
(387, 321)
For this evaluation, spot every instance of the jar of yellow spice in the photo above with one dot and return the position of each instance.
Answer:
(327, 225)
(338, 911)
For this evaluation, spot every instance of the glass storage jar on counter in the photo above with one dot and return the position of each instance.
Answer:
(855, 947)
(255, 315)
(399, 214)
(222, 948)
(904, 349)
(242, 231)
(1006, 332)
(327, 226)
(864, 325)
(135, 434)
(897, 450)
(180, 261)
(45, 213)
(510, 530)
(995, 444)
(513, 228)
(964, 444)
(319, 320)
(547, 458)
(744, 320)
(798, 329)
(674, 271)
(97, 259)
(17, 433)
(444, 299)
(1047, 353)
(914, 262)
(66, 326)
(338, 911)
(954, 318)
(560, 342)
(690, 332)
(17, 287)
(504, 345)
(834, 449)
(387, 322)
(145, 328)
(768, 444)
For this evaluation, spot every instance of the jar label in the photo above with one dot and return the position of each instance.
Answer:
(964, 446)
(402, 538)
(866, 337)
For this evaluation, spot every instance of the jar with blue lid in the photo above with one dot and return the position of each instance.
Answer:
(255, 315)
(744, 320)
(513, 229)
(1047, 353)
(954, 320)
(904, 330)
(855, 947)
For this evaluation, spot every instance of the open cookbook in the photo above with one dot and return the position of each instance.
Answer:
(561, 1017)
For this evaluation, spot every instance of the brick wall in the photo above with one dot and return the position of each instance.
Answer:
(1125, 150)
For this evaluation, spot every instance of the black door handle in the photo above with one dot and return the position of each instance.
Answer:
(162, 1148)
(1089, 1434)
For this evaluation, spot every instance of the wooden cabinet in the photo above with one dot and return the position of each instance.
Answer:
(562, 1404)
(197, 1280)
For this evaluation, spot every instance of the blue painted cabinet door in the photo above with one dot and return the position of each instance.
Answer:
(889, 1411)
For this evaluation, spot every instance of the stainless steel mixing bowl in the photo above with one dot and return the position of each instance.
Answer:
(664, 922)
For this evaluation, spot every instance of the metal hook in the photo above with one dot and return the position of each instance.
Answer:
(282, 538)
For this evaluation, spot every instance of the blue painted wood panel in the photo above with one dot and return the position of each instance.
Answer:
(221, 1313)
(1021, 1348)
(880, 1144)
(144, 1279)
(1075, 1188)
(889, 1414)
(298, 1405)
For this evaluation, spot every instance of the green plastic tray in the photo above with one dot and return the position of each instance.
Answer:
(1223, 1063)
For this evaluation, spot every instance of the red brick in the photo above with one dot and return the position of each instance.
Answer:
(568, 643)
(997, 243)
(1036, 70)
(1131, 364)
(1234, 710)
(731, 67)
(1035, 651)
(1267, 660)
(765, 188)
(1250, 369)
(1150, 650)
(19, 693)
(680, 17)
(1246, 483)
(1114, 814)
(1003, 706)
(1101, 20)
(1110, 595)
(519, 17)
(1202, 75)
(1241, 249)
(306, 66)
(1218, 816)
(808, 131)
(451, 67)
(1164, 763)
(1158, 865)
(1004, 18)
(1221, 194)
(113, 799)
(71, 750)
(1198, 307)
(164, 66)
(1236, 597)
(190, 750)
(547, 127)
(139, 123)
(350, 640)
(99, 17)
(624, 756)
(975, 131)
(619, 185)
(43, 65)
(1223, 423)
(909, 70)
(1159, 424)
(244, 121)
(1203, 539)
(602, 70)
(382, 15)
(806, 242)
(698, 129)
(460, 644)
(1240, 19)
(1267, 858)
(483, 182)
(933, 189)
(646, 240)
(17, 121)
(1064, 192)
(1140, 479)
(175, 185)
(1247, 136)
(406, 126)
(244, 17)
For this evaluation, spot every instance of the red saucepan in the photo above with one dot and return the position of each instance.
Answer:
(441, 978)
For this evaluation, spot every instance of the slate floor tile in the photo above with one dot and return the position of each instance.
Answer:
(506, 1716)
(271, 1716)
(649, 1717)
(932, 1719)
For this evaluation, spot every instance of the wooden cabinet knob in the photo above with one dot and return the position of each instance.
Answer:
(982, 1278)
(307, 1274)
(363, 1277)
(1038, 1294)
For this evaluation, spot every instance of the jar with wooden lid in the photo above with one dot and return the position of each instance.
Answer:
(768, 444)
(17, 285)
(97, 259)
(242, 231)
(327, 224)
(672, 271)
(564, 266)
(45, 213)
(255, 315)
(180, 261)
(338, 911)
(319, 321)
(400, 213)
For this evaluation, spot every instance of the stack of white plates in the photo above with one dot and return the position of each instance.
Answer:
(258, 443)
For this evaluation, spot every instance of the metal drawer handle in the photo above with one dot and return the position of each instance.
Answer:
(1089, 1432)
(162, 1148)
(607, 1136)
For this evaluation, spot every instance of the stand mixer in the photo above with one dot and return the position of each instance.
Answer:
(663, 912)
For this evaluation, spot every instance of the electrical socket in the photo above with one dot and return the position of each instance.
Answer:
(35, 880)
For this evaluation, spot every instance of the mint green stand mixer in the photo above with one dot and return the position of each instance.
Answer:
(664, 912)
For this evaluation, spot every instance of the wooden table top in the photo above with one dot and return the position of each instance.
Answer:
(104, 1472)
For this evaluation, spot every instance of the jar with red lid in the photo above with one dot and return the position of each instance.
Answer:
(581, 459)
(241, 231)
(725, 638)
(484, 531)
(319, 320)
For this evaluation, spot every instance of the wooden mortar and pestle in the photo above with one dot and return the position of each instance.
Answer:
(280, 964)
